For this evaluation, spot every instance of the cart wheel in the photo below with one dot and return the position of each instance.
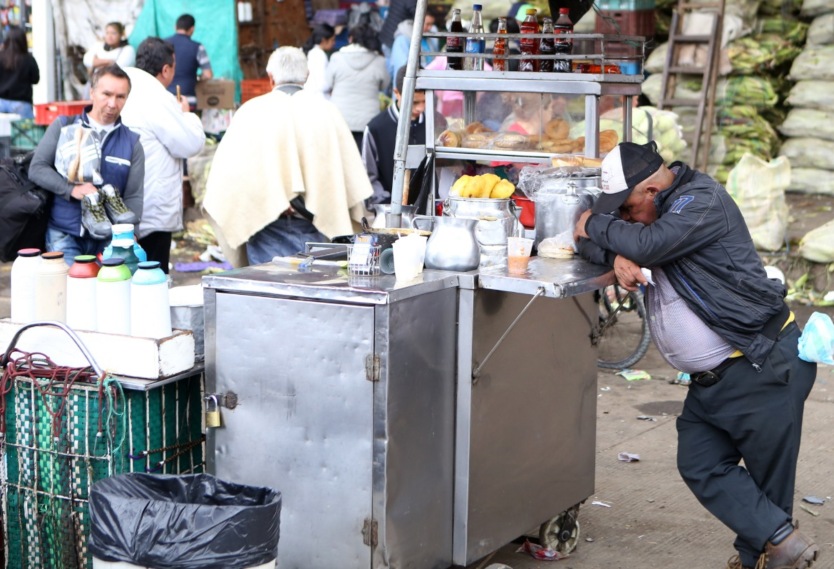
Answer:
(562, 532)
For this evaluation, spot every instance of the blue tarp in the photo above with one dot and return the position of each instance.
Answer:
(216, 29)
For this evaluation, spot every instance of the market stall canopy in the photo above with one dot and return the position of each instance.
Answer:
(216, 29)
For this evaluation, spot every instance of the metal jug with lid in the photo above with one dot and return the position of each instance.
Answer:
(558, 211)
(452, 245)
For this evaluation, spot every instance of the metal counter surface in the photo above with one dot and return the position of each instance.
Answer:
(558, 278)
(328, 283)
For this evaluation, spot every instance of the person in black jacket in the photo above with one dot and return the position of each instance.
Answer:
(714, 314)
(381, 134)
(18, 72)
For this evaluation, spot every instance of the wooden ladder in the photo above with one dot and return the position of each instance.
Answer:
(705, 103)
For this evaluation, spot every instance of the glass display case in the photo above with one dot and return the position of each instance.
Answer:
(522, 117)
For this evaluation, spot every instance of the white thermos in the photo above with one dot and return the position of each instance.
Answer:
(24, 277)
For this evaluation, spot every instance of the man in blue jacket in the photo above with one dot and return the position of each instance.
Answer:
(714, 314)
(192, 59)
(95, 160)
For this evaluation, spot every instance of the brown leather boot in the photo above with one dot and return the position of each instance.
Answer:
(735, 563)
(794, 552)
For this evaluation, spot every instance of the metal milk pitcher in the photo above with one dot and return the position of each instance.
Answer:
(496, 219)
(452, 245)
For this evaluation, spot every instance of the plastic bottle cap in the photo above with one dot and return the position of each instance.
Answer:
(122, 227)
(564, 10)
(29, 252)
(149, 264)
(85, 258)
(531, 11)
(477, 7)
(113, 262)
(52, 255)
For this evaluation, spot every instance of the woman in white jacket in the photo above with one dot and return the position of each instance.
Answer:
(169, 134)
(317, 46)
(114, 48)
(355, 76)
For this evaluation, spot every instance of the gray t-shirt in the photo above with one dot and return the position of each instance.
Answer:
(682, 338)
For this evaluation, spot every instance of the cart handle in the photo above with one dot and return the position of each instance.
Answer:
(70, 332)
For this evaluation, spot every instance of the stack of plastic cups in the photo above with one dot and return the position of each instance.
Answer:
(24, 277)
(51, 288)
(113, 297)
(81, 293)
(150, 313)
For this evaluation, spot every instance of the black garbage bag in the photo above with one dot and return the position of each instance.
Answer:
(183, 522)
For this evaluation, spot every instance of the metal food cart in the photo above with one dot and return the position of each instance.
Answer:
(371, 405)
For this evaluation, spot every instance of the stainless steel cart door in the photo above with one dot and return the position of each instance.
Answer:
(304, 421)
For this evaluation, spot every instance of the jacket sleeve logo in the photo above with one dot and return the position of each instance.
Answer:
(681, 203)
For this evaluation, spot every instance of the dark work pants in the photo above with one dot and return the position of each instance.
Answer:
(158, 247)
(757, 417)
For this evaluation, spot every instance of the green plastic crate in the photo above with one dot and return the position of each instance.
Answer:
(46, 478)
(26, 134)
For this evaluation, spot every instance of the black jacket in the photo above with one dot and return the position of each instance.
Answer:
(701, 241)
(16, 84)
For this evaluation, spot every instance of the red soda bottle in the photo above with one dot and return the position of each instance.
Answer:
(499, 48)
(530, 46)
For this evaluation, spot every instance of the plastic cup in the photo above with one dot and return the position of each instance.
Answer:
(518, 254)
(406, 259)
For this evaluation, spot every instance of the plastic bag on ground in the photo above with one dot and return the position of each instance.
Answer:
(818, 244)
(817, 341)
(183, 522)
(758, 187)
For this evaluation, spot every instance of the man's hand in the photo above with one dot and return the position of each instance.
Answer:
(185, 105)
(579, 230)
(628, 273)
(81, 190)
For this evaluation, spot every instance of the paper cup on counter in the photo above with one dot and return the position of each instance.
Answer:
(518, 254)
(406, 258)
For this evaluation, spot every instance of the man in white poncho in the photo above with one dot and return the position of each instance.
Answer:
(287, 171)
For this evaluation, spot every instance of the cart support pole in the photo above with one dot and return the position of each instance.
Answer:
(394, 219)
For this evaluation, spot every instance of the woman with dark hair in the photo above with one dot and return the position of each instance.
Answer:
(114, 48)
(18, 72)
(355, 76)
(317, 46)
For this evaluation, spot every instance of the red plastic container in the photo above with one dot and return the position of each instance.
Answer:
(45, 113)
(528, 211)
(251, 88)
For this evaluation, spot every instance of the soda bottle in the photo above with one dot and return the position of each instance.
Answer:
(455, 45)
(547, 46)
(499, 48)
(475, 42)
(530, 46)
(563, 29)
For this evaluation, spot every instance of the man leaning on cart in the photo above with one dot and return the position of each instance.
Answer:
(714, 314)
